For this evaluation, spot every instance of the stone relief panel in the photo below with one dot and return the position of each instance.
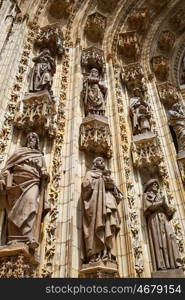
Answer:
(166, 40)
(132, 76)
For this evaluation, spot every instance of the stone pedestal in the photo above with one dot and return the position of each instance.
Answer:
(174, 273)
(17, 262)
(95, 135)
(37, 112)
(99, 270)
(181, 164)
(145, 149)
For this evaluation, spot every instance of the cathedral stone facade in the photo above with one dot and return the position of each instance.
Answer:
(92, 147)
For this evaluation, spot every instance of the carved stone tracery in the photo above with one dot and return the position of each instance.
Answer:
(160, 67)
(129, 45)
(93, 57)
(95, 27)
(138, 20)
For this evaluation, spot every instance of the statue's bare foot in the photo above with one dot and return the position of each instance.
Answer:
(92, 259)
(105, 255)
(98, 257)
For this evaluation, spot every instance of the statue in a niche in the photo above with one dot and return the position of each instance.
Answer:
(177, 121)
(101, 220)
(41, 78)
(94, 94)
(23, 184)
(158, 213)
(140, 114)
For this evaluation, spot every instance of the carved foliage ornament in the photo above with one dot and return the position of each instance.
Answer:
(95, 27)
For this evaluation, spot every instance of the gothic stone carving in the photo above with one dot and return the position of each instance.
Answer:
(107, 5)
(166, 40)
(94, 94)
(17, 262)
(168, 93)
(60, 8)
(129, 45)
(145, 150)
(158, 213)
(132, 76)
(95, 27)
(182, 72)
(177, 121)
(101, 220)
(95, 136)
(93, 57)
(140, 114)
(51, 37)
(160, 66)
(37, 112)
(138, 20)
(177, 21)
(181, 164)
(22, 181)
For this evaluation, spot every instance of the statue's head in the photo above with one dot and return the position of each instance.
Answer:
(45, 51)
(137, 92)
(32, 141)
(94, 72)
(152, 185)
(99, 163)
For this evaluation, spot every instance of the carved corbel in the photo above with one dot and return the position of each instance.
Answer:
(160, 67)
(166, 40)
(95, 136)
(37, 112)
(95, 27)
(138, 20)
(132, 76)
(146, 150)
(93, 57)
(168, 93)
(129, 45)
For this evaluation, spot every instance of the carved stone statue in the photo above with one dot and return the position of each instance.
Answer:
(183, 71)
(41, 78)
(101, 220)
(177, 121)
(94, 94)
(22, 184)
(140, 114)
(158, 213)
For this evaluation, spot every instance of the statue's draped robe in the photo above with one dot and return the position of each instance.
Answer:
(22, 176)
(101, 220)
(95, 97)
(163, 247)
(177, 121)
(42, 73)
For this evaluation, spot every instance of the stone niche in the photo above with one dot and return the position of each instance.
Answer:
(129, 45)
(17, 262)
(37, 112)
(95, 135)
(95, 27)
(168, 93)
(145, 150)
(93, 57)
